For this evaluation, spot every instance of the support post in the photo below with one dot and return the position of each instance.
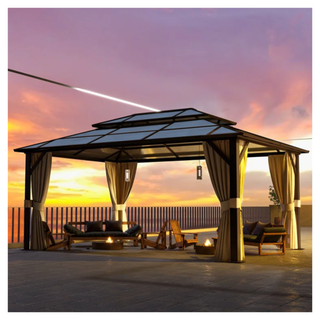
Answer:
(27, 196)
(297, 197)
(234, 193)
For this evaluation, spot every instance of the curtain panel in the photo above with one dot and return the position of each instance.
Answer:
(219, 172)
(40, 183)
(119, 188)
(283, 180)
(243, 153)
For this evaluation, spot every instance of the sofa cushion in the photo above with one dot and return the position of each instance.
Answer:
(258, 230)
(73, 230)
(133, 231)
(250, 238)
(113, 225)
(105, 234)
(92, 226)
(273, 230)
(249, 227)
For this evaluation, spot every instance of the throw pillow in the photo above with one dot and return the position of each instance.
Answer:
(93, 226)
(249, 227)
(259, 228)
(73, 230)
(113, 225)
(133, 231)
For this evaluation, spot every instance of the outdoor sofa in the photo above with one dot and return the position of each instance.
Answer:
(101, 230)
(259, 234)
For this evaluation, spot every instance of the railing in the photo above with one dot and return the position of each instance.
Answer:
(150, 218)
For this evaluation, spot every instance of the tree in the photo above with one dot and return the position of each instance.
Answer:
(273, 196)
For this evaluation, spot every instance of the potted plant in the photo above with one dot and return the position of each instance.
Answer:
(275, 209)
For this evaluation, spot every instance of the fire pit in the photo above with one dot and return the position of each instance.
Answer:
(206, 248)
(107, 245)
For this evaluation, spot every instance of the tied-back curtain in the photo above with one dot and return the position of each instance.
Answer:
(119, 188)
(283, 180)
(219, 172)
(243, 153)
(40, 184)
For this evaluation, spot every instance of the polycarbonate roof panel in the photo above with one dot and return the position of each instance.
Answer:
(123, 137)
(68, 142)
(93, 133)
(190, 124)
(137, 129)
(153, 116)
(223, 130)
(190, 113)
(202, 131)
(35, 145)
(116, 120)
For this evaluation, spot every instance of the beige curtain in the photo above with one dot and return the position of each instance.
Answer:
(40, 183)
(243, 152)
(219, 172)
(283, 180)
(120, 189)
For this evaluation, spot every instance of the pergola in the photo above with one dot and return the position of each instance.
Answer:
(173, 135)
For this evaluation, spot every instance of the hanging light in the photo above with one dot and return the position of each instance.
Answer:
(127, 175)
(199, 172)
(199, 168)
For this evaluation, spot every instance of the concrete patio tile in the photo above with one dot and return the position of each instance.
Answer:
(180, 307)
(300, 303)
(254, 307)
(286, 308)
(138, 280)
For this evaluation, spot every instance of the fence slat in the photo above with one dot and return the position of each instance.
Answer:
(150, 218)
(12, 226)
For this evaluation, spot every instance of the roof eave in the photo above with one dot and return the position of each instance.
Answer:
(130, 143)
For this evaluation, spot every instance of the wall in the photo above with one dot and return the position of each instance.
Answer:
(305, 214)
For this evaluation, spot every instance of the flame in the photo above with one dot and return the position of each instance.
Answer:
(207, 243)
(109, 240)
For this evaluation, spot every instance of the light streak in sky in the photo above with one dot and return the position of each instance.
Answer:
(85, 91)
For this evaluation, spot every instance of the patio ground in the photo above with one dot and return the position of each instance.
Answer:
(135, 280)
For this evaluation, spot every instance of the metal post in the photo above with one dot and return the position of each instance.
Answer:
(27, 196)
(234, 193)
(297, 197)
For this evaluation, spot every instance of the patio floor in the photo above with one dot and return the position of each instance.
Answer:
(135, 280)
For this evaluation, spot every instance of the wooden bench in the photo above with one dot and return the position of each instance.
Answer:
(74, 238)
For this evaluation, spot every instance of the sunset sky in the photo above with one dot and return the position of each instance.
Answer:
(252, 66)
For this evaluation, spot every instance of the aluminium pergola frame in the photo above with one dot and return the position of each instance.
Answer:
(233, 162)
(129, 138)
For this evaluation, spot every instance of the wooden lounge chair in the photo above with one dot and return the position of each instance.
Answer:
(51, 242)
(180, 237)
(160, 243)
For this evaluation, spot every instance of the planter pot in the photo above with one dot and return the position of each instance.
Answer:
(277, 220)
(275, 212)
(205, 250)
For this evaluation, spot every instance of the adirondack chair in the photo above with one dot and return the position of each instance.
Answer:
(160, 243)
(51, 242)
(180, 237)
